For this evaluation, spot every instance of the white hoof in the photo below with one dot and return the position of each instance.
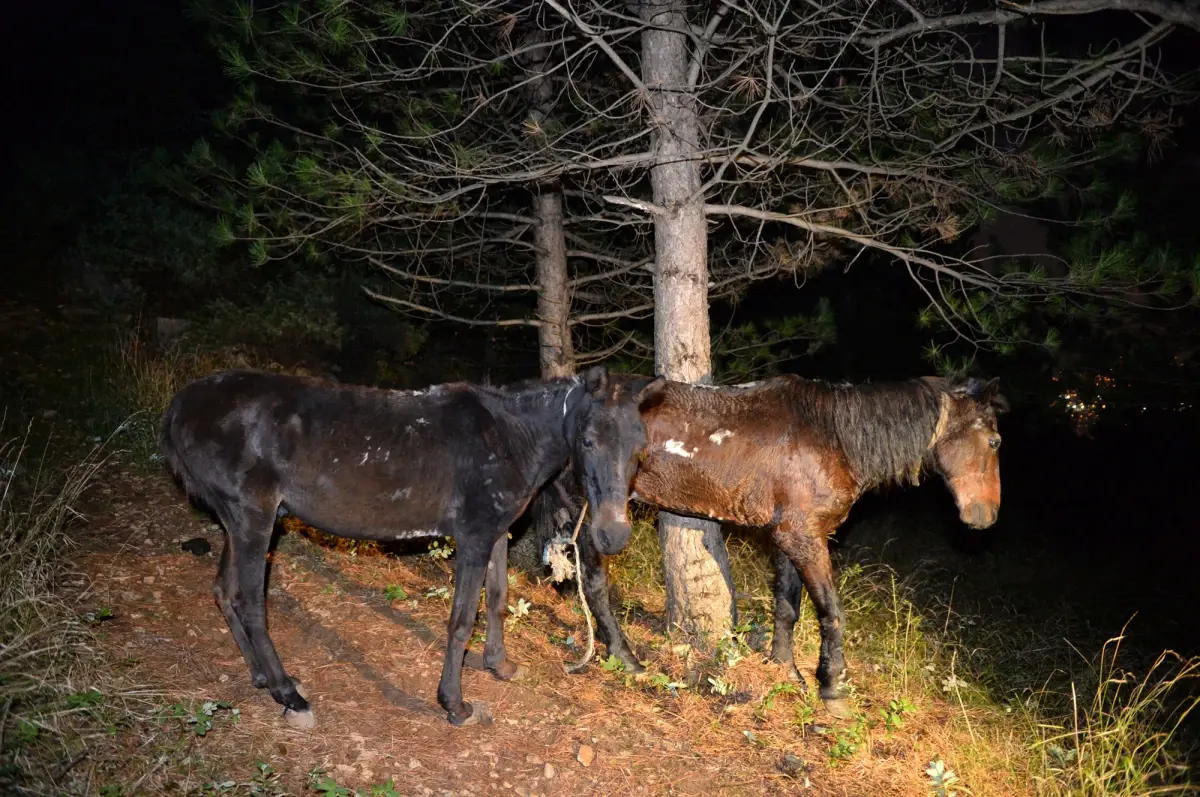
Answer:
(301, 720)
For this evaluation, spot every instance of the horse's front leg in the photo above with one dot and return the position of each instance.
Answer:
(809, 552)
(496, 584)
(595, 590)
(470, 565)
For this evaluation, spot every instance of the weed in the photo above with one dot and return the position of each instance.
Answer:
(441, 549)
(785, 688)
(520, 610)
(328, 787)
(612, 664)
(718, 686)
(846, 741)
(200, 719)
(893, 715)
(941, 778)
(395, 592)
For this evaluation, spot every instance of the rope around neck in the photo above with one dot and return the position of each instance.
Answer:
(561, 570)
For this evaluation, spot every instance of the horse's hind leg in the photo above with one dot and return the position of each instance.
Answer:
(789, 589)
(249, 529)
(227, 594)
(595, 590)
(809, 552)
(471, 558)
(496, 584)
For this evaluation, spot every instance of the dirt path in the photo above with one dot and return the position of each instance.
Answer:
(372, 665)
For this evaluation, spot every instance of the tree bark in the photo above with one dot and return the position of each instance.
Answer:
(556, 349)
(556, 352)
(699, 586)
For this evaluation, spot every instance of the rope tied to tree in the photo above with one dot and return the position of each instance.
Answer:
(561, 568)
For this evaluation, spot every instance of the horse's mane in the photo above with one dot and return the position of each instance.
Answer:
(884, 429)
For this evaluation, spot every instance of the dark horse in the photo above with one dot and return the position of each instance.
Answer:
(456, 459)
(794, 455)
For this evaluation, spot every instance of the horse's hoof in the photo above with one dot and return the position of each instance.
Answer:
(633, 666)
(839, 707)
(508, 671)
(301, 720)
(477, 714)
(300, 689)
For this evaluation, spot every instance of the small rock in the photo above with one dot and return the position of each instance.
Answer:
(214, 527)
(548, 772)
(792, 764)
(147, 541)
(414, 763)
(223, 678)
(130, 597)
(532, 759)
(148, 579)
(586, 755)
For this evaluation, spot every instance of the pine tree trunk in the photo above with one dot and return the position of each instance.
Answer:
(556, 351)
(699, 586)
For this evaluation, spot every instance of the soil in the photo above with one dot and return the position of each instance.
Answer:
(371, 664)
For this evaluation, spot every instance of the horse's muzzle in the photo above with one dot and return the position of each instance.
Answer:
(611, 538)
(980, 515)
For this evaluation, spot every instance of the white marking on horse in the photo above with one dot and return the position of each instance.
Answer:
(573, 386)
(719, 436)
(675, 447)
(414, 533)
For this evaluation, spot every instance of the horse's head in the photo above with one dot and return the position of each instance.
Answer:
(608, 438)
(967, 449)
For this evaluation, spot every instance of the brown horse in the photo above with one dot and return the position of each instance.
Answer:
(794, 455)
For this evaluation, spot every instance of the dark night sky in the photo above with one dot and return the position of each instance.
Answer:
(101, 78)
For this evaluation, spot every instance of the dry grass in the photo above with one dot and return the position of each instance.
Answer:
(1115, 733)
(53, 695)
(921, 685)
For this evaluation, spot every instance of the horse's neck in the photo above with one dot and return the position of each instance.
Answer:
(887, 433)
(540, 414)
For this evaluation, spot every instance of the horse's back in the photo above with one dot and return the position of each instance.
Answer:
(351, 460)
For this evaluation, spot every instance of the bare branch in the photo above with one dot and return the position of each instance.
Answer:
(1178, 13)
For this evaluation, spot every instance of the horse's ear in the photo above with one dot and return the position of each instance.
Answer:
(595, 380)
(986, 393)
(650, 390)
(995, 398)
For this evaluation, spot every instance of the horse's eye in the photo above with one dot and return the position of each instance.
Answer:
(994, 443)
(588, 443)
